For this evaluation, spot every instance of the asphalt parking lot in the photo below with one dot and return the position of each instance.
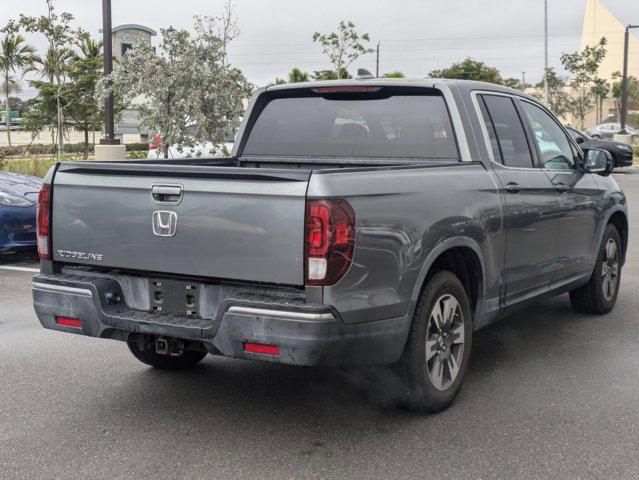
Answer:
(550, 394)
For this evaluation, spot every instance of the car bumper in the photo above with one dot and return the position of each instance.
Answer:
(17, 229)
(305, 334)
(623, 159)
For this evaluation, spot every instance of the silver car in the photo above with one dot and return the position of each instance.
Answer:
(608, 130)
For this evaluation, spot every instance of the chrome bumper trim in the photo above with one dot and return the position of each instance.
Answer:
(49, 287)
(282, 314)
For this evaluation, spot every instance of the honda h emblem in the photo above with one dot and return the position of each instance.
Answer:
(164, 223)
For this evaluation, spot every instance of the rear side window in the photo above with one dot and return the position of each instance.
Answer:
(511, 138)
(395, 126)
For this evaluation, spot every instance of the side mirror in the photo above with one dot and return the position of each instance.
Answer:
(579, 139)
(598, 161)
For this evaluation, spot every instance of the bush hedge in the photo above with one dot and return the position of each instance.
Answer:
(44, 149)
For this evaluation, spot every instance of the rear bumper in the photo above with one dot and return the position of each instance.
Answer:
(306, 334)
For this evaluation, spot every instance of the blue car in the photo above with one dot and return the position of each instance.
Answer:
(18, 198)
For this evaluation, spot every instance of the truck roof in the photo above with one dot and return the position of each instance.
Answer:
(466, 86)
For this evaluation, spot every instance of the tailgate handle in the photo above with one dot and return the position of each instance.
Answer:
(167, 193)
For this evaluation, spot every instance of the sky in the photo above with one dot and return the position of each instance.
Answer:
(415, 36)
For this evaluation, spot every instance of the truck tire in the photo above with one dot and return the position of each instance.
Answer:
(599, 295)
(437, 352)
(148, 356)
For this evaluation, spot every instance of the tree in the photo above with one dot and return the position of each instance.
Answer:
(226, 29)
(600, 90)
(515, 83)
(16, 104)
(395, 74)
(14, 54)
(343, 47)
(186, 93)
(296, 75)
(558, 100)
(59, 34)
(632, 90)
(41, 110)
(330, 75)
(469, 69)
(583, 67)
(79, 94)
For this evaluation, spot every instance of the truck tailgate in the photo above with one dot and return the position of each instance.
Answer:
(221, 222)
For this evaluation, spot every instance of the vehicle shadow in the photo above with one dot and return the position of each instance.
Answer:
(256, 397)
(25, 258)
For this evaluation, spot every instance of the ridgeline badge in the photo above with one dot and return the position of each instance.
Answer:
(96, 257)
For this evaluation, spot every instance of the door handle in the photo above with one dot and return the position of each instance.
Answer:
(561, 187)
(513, 187)
(166, 193)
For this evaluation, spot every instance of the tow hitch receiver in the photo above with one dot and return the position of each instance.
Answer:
(168, 346)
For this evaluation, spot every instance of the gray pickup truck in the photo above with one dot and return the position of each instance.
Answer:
(356, 222)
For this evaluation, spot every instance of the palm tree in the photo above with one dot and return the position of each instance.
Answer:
(296, 76)
(15, 54)
(46, 67)
(89, 48)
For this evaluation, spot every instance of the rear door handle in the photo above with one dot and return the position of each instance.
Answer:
(561, 187)
(513, 187)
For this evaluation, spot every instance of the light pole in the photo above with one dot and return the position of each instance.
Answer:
(546, 52)
(108, 67)
(624, 81)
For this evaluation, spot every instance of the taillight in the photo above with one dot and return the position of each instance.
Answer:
(329, 240)
(43, 222)
(155, 143)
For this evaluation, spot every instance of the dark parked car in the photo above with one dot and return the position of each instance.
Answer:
(18, 196)
(621, 152)
(376, 221)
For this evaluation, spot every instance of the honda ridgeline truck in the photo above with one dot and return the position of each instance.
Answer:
(356, 222)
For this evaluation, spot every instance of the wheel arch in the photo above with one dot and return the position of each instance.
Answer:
(619, 219)
(463, 256)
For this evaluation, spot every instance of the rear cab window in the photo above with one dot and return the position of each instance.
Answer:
(387, 123)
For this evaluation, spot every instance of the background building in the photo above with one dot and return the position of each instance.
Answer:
(123, 38)
(599, 22)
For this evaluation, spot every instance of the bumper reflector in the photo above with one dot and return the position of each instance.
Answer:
(261, 348)
(68, 322)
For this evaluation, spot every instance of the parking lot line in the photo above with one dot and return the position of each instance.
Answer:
(19, 269)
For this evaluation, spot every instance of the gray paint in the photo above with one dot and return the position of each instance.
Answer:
(533, 243)
(243, 230)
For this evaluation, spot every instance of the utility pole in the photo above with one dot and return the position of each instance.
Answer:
(108, 68)
(624, 81)
(377, 62)
(546, 52)
(523, 82)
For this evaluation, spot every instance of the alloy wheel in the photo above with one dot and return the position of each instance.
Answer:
(444, 341)
(610, 270)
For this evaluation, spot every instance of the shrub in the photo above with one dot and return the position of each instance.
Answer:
(34, 166)
(136, 154)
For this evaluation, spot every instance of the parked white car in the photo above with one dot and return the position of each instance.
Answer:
(200, 150)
